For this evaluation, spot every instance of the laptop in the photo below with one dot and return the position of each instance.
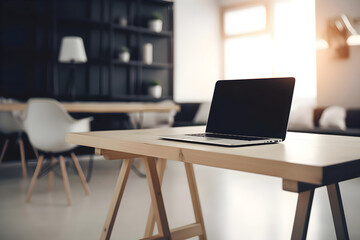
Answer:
(246, 112)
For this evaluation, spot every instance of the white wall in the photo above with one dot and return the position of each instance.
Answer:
(197, 49)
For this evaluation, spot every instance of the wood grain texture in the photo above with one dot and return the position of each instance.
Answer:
(116, 199)
(80, 173)
(302, 215)
(102, 107)
(114, 155)
(22, 156)
(150, 225)
(51, 173)
(180, 233)
(156, 197)
(4, 149)
(35, 151)
(337, 210)
(34, 178)
(303, 157)
(189, 168)
(65, 179)
(197, 229)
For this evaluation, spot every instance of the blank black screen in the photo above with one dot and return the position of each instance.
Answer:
(254, 107)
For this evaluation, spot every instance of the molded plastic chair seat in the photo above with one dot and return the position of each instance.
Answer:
(46, 123)
(154, 119)
(9, 124)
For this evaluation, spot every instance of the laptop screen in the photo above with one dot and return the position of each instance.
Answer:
(252, 107)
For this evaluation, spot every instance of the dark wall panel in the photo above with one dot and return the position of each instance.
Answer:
(31, 33)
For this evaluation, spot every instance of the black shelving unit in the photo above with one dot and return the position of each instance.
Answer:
(37, 27)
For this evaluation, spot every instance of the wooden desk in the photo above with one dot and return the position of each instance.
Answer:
(102, 107)
(96, 107)
(303, 161)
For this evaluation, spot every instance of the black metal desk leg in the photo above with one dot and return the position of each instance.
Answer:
(337, 210)
(302, 215)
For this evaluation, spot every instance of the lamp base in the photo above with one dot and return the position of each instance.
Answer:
(70, 86)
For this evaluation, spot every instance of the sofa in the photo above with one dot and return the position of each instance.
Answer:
(352, 123)
(193, 114)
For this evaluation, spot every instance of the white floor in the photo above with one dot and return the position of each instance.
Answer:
(235, 205)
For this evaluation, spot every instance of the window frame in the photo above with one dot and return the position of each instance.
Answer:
(267, 30)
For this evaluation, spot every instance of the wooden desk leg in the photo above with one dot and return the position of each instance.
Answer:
(116, 199)
(302, 215)
(149, 230)
(195, 198)
(156, 197)
(337, 211)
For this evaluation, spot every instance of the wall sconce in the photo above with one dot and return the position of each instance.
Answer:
(340, 34)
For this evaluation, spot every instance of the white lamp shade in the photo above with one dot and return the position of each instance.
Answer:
(72, 49)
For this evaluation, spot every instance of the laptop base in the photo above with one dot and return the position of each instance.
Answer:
(219, 141)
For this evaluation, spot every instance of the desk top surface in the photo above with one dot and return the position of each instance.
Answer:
(102, 107)
(304, 157)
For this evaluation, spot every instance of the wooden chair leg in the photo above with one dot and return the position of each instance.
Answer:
(34, 178)
(65, 179)
(149, 230)
(4, 150)
(195, 198)
(35, 151)
(80, 173)
(22, 155)
(302, 215)
(116, 199)
(337, 210)
(156, 197)
(51, 173)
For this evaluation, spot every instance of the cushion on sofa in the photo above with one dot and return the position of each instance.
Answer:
(333, 117)
(352, 123)
(301, 116)
(202, 114)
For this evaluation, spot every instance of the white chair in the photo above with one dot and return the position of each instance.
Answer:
(10, 124)
(46, 122)
(154, 119)
(151, 120)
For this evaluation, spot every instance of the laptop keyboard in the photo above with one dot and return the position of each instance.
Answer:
(236, 137)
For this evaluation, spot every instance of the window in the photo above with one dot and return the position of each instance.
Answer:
(248, 57)
(254, 17)
(272, 40)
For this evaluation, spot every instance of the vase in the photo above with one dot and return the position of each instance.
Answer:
(155, 91)
(148, 53)
(155, 25)
(123, 22)
(124, 57)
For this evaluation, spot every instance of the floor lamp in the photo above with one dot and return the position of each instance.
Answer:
(72, 51)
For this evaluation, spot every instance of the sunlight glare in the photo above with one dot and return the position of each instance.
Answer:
(289, 50)
(254, 17)
(248, 57)
(295, 45)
